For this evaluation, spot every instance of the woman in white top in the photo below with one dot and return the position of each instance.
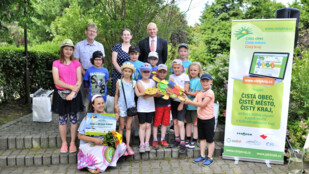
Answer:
(145, 107)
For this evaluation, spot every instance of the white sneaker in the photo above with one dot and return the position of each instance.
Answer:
(142, 148)
(147, 147)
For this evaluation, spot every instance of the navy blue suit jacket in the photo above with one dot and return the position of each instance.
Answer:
(145, 49)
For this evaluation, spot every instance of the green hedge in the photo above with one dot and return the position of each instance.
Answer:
(12, 70)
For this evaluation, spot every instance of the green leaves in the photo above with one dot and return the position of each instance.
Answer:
(12, 65)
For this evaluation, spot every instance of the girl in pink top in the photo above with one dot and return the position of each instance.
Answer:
(67, 99)
(204, 100)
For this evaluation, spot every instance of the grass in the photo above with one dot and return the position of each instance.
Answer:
(13, 110)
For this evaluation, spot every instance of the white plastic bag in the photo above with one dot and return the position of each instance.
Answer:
(41, 107)
(216, 112)
(110, 104)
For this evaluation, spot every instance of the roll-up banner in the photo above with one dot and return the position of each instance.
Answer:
(261, 58)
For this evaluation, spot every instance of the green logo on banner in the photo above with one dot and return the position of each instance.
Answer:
(242, 32)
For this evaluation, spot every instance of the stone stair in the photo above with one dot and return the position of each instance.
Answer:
(27, 143)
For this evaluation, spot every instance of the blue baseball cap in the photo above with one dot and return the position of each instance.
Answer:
(146, 67)
(206, 76)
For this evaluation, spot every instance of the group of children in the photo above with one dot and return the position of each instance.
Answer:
(196, 110)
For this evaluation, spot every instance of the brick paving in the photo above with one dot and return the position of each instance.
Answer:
(178, 166)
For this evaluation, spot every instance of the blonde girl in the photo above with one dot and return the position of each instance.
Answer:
(145, 107)
(124, 98)
(195, 72)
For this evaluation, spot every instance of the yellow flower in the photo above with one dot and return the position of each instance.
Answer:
(119, 137)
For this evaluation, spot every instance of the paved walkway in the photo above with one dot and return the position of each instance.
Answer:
(178, 166)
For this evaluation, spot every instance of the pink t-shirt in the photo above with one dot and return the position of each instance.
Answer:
(207, 112)
(67, 73)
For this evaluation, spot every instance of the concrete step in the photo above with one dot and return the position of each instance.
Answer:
(48, 156)
(27, 140)
(23, 133)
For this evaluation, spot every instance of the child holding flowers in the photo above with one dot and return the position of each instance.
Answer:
(93, 151)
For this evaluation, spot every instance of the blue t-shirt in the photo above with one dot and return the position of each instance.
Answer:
(95, 79)
(195, 85)
(185, 65)
(137, 74)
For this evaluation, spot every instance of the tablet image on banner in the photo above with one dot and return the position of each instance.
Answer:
(268, 65)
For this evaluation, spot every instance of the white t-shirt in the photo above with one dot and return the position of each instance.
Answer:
(146, 105)
(180, 80)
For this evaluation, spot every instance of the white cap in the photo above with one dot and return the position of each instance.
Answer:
(153, 54)
(162, 66)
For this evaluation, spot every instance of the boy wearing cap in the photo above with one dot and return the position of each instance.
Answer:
(183, 51)
(134, 52)
(204, 100)
(96, 77)
(153, 59)
(177, 106)
(163, 112)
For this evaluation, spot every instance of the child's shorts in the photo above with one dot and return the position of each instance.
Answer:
(162, 116)
(179, 115)
(191, 116)
(145, 117)
(206, 129)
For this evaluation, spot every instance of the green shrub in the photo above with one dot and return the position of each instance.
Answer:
(299, 104)
(298, 131)
(219, 71)
(12, 65)
(298, 120)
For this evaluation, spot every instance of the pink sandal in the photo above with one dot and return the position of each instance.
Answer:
(64, 148)
(125, 153)
(130, 151)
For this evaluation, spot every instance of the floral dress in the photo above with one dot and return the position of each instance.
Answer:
(97, 157)
(121, 57)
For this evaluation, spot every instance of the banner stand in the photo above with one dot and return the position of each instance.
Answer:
(236, 160)
(267, 162)
(260, 69)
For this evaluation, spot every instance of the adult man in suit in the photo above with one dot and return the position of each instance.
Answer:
(153, 43)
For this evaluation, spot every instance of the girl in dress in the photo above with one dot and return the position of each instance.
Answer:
(119, 56)
(96, 157)
(124, 98)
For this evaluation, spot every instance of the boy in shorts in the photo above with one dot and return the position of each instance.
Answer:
(177, 106)
(204, 100)
(163, 111)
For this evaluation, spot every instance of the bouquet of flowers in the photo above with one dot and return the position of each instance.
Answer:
(112, 139)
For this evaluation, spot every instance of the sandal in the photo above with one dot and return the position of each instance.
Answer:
(72, 148)
(64, 148)
(93, 170)
(130, 151)
(125, 153)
